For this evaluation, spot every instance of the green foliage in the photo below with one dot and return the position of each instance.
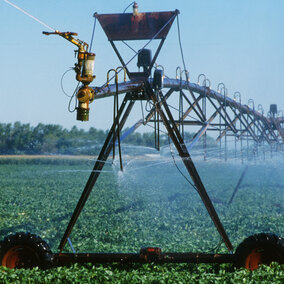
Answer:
(147, 273)
(20, 138)
(143, 206)
(52, 139)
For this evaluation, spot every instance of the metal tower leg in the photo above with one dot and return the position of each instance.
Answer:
(104, 154)
(175, 135)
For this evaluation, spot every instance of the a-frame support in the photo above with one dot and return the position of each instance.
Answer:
(103, 156)
(147, 26)
(177, 140)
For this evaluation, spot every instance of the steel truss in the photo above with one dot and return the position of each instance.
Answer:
(228, 117)
(250, 124)
(161, 107)
(234, 119)
(198, 106)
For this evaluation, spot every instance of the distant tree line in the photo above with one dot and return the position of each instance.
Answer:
(18, 138)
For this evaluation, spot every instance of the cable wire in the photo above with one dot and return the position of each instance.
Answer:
(181, 50)
(61, 82)
(142, 111)
(146, 44)
(92, 38)
(130, 47)
(128, 7)
(71, 98)
(172, 154)
(217, 247)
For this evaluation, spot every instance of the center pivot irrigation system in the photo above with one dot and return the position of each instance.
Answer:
(25, 250)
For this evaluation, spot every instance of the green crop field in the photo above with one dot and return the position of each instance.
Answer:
(148, 204)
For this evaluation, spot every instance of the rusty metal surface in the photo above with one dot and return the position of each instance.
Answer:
(278, 127)
(134, 85)
(104, 153)
(201, 132)
(110, 90)
(267, 123)
(143, 26)
(178, 141)
(170, 83)
(177, 84)
(167, 257)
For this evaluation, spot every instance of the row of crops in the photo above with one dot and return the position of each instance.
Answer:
(149, 204)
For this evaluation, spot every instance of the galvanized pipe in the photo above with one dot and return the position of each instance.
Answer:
(136, 85)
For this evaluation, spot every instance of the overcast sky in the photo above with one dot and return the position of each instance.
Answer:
(237, 42)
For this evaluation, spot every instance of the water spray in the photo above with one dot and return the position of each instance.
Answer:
(25, 250)
(84, 67)
(29, 15)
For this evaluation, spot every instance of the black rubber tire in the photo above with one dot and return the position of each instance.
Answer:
(25, 250)
(259, 249)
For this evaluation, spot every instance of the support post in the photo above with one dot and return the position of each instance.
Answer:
(104, 154)
(182, 150)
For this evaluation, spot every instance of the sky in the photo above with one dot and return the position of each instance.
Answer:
(237, 42)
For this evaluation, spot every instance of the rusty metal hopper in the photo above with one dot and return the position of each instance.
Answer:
(143, 26)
